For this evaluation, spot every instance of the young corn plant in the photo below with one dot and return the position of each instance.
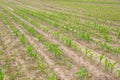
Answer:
(41, 64)
(22, 39)
(40, 37)
(68, 41)
(82, 73)
(112, 65)
(119, 34)
(106, 46)
(117, 51)
(30, 50)
(1, 74)
(56, 34)
(107, 38)
(101, 57)
(91, 56)
(32, 30)
(16, 32)
(118, 73)
(53, 77)
(109, 65)
(1, 52)
(85, 36)
(54, 48)
(46, 29)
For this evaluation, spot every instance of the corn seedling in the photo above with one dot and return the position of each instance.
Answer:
(75, 46)
(46, 29)
(118, 73)
(101, 57)
(56, 34)
(106, 37)
(53, 77)
(1, 74)
(112, 65)
(118, 34)
(103, 29)
(54, 48)
(16, 32)
(107, 46)
(30, 49)
(87, 51)
(22, 39)
(32, 30)
(41, 64)
(34, 55)
(82, 73)
(117, 51)
(40, 37)
(67, 40)
(91, 56)
(109, 65)
(1, 52)
(85, 36)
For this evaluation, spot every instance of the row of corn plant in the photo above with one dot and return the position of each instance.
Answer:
(108, 64)
(111, 49)
(16, 31)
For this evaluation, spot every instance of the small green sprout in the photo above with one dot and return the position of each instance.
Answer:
(1, 52)
(53, 77)
(1, 74)
(40, 37)
(22, 39)
(101, 57)
(82, 73)
(118, 73)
